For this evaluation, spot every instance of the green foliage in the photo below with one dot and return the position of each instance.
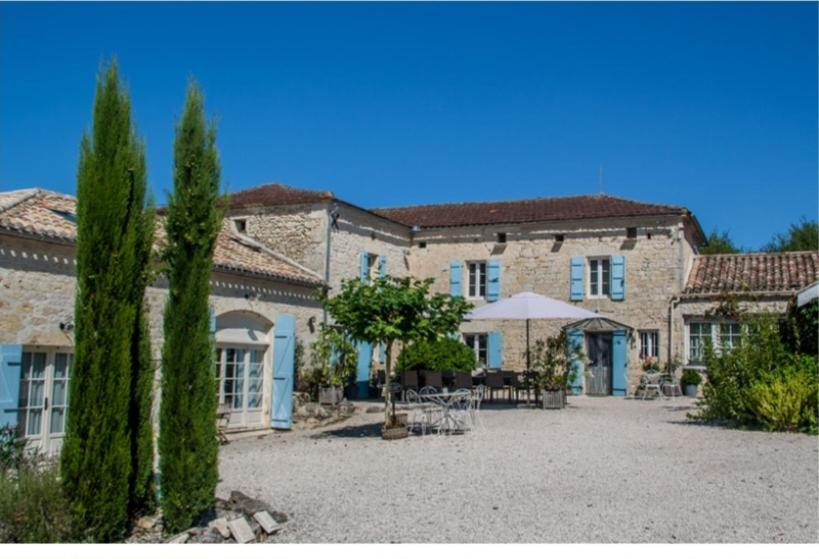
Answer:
(550, 361)
(188, 445)
(33, 505)
(443, 354)
(12, 447)
(800, 236)
(748, 385)
(99, 465)
(719, 243)
(334, 357)
(691, 376)
(801, 331)
(387, 309)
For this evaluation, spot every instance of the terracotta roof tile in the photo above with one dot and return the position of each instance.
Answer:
(50, 215)
(523, 211)
(754, 272)
(275, 194)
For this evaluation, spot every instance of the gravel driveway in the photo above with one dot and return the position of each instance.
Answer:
(602, 470)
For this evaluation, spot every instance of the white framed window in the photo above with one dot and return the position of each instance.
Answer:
(477, 280)
(599, 277)
(241, 383)
(649, 343)
(43, 397)
(699, 334)
(372, 266)
(479, 344)
(723, 335)
(729, 335)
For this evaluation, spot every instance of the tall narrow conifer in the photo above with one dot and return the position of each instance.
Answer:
(188, 446)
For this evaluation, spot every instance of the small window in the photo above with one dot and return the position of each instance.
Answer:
(372, 266)
(699, 335)
(501, 238)
(422, 244)
(478, 344)
(599, 277)
(649, 344)
(477, 280)
(631, 232)
(729, 335)
(241, 225)
(559, 238)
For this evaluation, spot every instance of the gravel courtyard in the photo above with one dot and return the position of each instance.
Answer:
(602, 470)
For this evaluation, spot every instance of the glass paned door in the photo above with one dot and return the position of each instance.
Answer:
(241, 384)
(43, 398)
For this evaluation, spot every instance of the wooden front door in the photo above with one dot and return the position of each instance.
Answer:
(598, 348)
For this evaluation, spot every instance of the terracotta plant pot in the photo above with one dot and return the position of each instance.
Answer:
(553, 399)
(394, 433)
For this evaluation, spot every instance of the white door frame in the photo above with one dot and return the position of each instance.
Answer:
(43, 439)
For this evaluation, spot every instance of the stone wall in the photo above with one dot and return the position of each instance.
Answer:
(532, 260)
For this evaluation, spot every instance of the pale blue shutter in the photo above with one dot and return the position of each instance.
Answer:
(362, 378)
(493, 273)
(382, 266)
(284, 360)
(455, 278)
(577, 273)
(382, 352)
(364, 266)
(494, 342)
(618, 277)
(576, 365)
(10, 358)
(619, 371)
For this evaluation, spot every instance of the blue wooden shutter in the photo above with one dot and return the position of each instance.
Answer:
(10, 358)
(455, 278)
(494, 350)
(362, 378)
(284, 360)
(382, 352)
(619, 371)
(493, 273)
(618, 277)
(577, 273)
(364, 266)
(382, 266)
(576, 365)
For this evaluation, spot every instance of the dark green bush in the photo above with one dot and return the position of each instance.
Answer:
(691, 376)
(12, 446)
(33, 505)
(443, 354)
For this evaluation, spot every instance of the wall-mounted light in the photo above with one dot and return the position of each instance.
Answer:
(311, 324)
(66, 326)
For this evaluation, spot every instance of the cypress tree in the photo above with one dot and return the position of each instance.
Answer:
(188, 446)
(97, 452)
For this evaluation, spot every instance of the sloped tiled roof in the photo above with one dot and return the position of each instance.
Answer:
(276, 194)
(50, 215)
(523, 211)
(752, 272)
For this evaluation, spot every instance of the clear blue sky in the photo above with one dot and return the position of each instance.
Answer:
(709, 106)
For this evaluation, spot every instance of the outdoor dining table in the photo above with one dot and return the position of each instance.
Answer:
(444, 401)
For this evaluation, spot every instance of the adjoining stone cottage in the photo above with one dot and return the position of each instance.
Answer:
(633, 262)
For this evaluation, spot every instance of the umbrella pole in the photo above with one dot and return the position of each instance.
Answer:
(527, 346)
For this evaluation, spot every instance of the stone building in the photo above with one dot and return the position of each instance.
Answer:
(634, 263)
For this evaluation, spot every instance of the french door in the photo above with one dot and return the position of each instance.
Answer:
(241, 384)
(43, 398)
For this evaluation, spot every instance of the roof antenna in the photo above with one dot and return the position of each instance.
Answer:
(600, 179)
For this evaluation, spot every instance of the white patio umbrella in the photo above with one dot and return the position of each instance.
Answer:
(527, 306)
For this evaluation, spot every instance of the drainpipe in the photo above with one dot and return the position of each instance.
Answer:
(671, 306)
(332, 215)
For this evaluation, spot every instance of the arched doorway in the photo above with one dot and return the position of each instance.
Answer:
(243, 341)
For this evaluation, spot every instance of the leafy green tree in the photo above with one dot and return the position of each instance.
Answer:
(188, 447)
(800, 236)
(719, 243)
(388, 310)
(98, 459)
(442, 354)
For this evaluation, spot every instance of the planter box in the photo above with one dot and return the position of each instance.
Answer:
(553, 399)
(331, 395)
(690, 390)
(394, 433)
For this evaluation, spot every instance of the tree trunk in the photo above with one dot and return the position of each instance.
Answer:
(389, 418)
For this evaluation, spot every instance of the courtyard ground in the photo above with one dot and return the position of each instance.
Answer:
(602, 470)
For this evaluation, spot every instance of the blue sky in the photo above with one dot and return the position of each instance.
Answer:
(710, 106)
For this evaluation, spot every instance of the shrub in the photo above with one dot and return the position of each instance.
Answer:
(334, 358)
(550, 362)
(12, 447)
(443, 354)
(691, 376)
(33, 505)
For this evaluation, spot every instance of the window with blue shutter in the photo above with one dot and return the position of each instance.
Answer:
(618, 277)
(364, 265)
(382, 266)
(495, 350)
(10, 358)
(284, 361)
(576, 365)
(493, 273)
(577, 273)
(455, 278)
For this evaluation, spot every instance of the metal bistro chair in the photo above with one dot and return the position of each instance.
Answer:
(460, 410)
(417, 415)
(651, 381)
(430, 409)
(669, 381)
(478, 394)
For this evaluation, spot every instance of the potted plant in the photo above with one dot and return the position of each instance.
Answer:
(691, 379)
(335, 359)
(550, 365)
